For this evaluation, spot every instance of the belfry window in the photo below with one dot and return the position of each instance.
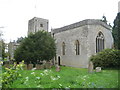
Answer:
(99, 42)
(63, 48)
(77, 47)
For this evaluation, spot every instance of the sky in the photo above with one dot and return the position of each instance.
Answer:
(14, 14)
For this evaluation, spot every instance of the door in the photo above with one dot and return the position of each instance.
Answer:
(59, 60)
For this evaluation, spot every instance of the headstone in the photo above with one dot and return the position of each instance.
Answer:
(90, 67)
(44, 61)
(7, 65)
(30, 66)
(57, 68)
(47, 65)
(41, 66)
(20, 62)
(98, 69)
(38, 66)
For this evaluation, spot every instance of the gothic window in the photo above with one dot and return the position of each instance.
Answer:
(99, 42)
(77, 47)
(63, 48)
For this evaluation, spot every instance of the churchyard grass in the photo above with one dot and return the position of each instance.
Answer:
(68, 77)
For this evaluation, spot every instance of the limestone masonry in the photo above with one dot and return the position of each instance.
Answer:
(78, 41)
(37, 24)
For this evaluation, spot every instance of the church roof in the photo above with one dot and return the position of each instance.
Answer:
(81, 23)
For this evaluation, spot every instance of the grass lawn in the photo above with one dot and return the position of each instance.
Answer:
(68, 77)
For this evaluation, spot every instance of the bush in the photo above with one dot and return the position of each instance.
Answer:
(108, 58)
(9, 75)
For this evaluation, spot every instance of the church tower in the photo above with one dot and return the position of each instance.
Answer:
(118, 6)
(37, 24)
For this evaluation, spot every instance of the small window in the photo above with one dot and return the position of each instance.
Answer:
(63, 48)
(77, 47)
(41, 25)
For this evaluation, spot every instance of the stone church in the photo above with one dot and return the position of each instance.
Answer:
(78, 41)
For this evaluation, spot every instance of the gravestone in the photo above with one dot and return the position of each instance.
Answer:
(38, 66)
(7, 65)
(90, 67)
(98, 69)
(47, 65)
(20, 62)
(41, 66)
(30, 66)
(57, 68)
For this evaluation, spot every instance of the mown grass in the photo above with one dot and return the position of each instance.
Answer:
(68, 77)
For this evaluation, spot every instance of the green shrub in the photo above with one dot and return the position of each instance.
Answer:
(9, 75)
(108, 58)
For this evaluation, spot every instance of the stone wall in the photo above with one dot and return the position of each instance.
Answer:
(34, 25)
(85, 32)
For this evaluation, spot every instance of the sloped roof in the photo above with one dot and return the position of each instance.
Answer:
(81, 23)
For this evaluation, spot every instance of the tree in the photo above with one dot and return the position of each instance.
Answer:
(38, 46)
(2, 47)
(116, 32)
(3, 50)
(19, 39)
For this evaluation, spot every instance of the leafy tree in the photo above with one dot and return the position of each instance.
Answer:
(116, 32)
(19, 39)
(3, 50)
(38, 46)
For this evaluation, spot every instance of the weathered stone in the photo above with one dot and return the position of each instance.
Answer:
(98, 69)
(20, 62)
(47, 65)
(7, 65)
(30, 66)
(41, 66)
(57, 68)
(38, 66)
(36, 24)
(90, 67)
(85, 32)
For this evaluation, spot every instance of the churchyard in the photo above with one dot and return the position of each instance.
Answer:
(66, 77)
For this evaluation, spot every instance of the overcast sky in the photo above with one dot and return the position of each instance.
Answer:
(14, 14)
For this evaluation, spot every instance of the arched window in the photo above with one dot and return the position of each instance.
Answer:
(99, 42)
(77, 47)
(63, 48)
